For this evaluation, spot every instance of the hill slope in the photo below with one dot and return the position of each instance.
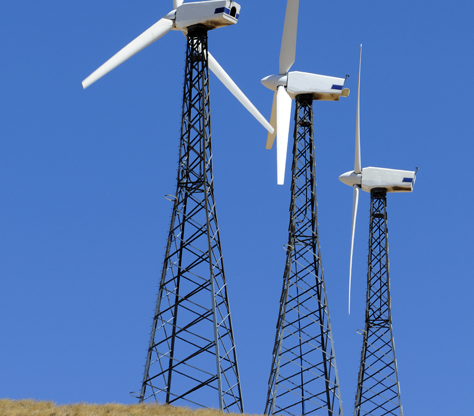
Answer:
(38, 408)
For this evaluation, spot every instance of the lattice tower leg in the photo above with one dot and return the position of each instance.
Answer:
(191, 357)
(378, 389)
(303, 378)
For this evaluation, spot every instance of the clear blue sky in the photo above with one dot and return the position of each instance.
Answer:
(84, 221)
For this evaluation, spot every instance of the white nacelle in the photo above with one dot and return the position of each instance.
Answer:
(390, 179)
(321, 87)
(212, 14)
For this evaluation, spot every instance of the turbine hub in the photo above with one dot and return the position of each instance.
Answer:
(272, 82)
(351, 178)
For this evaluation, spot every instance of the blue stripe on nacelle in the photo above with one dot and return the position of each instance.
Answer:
(226, 11)
(222, 10)
(408, 180)
(337, 87)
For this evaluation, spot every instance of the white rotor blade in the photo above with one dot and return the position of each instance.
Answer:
(273, 118)
(235, 90)
(288, 42)
(159, 29)
(283, 130)
(355, 203)
(357, 161)
(177, 3)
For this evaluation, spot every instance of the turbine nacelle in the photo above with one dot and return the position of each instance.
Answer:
(392, 180)
(212, 14)
(321, 87)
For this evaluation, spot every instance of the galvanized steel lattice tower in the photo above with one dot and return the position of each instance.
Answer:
(191, 356)
(378, 389)
(303, 378)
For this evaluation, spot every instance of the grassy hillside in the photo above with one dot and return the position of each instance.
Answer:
(36, 408)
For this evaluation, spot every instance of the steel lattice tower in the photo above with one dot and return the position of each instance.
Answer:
(378, 389)
(191, 356)
(303, 378)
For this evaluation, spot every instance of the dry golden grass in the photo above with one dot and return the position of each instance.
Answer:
(37, 408)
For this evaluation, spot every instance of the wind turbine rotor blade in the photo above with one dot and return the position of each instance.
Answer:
(235, 90)
(288, 42)
(177, 3)
(355, 204)
(283, 130)
(159, 29)
(357, 161)
(273, 119)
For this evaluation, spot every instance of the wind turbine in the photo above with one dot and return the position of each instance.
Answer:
(378, 388)
(303, 378)
(191, 354)
(367, 179)
(289, 85)
(212, 14)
